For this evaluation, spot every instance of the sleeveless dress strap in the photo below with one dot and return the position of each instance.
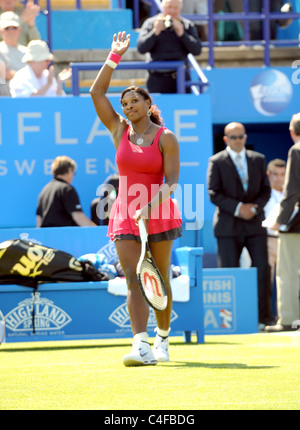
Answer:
(158, 134)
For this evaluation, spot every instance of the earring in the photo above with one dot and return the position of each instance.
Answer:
(149, 113)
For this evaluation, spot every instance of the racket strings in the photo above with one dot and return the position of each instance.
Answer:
(153, 285)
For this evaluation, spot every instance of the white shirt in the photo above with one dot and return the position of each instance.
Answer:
(12, 55)
(25, 83)
(273, 203)
(276, 197)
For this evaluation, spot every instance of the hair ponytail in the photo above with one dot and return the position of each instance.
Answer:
(155, 115)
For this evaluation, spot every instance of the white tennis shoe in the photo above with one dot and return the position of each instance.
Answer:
(141, 355)
(161, 348)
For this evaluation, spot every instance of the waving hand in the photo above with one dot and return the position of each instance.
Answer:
(120, 43)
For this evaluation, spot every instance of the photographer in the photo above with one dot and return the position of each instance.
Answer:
(167, 37)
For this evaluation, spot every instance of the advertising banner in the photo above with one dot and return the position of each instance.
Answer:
(255, 94)
(34, 131)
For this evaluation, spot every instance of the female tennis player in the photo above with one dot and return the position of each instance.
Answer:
(147, 155)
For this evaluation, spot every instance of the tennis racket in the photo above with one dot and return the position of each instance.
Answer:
(149, 278)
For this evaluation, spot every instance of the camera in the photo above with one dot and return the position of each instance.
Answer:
(168, 22)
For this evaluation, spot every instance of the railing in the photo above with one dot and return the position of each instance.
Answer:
(120, 3)
(202, 83)
(266, 17)
(197, 87)
(48, 13)
(179, 66)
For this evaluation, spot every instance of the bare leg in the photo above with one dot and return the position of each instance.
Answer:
(129, 253)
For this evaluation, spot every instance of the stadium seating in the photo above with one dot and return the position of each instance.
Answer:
(116, 85)
(71, 4)
(84, 35)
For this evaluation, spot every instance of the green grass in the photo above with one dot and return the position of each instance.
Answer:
(242, 372)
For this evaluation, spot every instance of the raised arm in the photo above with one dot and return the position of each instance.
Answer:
(114, 122)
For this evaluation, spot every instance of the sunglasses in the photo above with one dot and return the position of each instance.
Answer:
(11, 28)
(233, 137)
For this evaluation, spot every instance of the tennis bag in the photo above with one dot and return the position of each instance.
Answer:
(28, 264)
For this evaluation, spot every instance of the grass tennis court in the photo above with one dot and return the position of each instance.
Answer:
(241, 372)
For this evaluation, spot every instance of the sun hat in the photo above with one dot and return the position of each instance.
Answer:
(9, 19)
(37, 50)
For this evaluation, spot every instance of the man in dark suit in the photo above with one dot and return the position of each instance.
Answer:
(240, 189)
(168, 36)
(288, 224)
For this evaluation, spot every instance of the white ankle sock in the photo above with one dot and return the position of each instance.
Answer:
(142, 337)
(162, 333)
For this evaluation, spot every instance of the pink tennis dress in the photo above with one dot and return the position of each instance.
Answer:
(140, 176)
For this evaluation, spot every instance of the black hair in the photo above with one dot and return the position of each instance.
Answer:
(155, 112)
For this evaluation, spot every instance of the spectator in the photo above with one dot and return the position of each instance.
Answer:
(37, 78)
(256, 27)
(11, 52)
(199, 7)
(168, 37)
(58, 202)
(4, 90)
(101, 206)
(27, 15)
(276, 175)
(288, 225)
(240, 189)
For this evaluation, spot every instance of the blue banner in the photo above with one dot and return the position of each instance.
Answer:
(34, 131)
(255, 95)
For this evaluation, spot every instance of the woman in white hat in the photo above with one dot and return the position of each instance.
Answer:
(27, 14)
(11, 51)
(37, 77)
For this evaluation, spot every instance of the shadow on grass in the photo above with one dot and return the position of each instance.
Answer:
(210, 342)
(23, 347)
(58, 347)
(189, 364)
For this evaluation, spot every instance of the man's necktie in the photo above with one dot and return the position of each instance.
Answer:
(242, 171)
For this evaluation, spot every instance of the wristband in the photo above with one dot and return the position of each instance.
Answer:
(113, 60)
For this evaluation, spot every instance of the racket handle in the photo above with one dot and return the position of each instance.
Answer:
(143, 231)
